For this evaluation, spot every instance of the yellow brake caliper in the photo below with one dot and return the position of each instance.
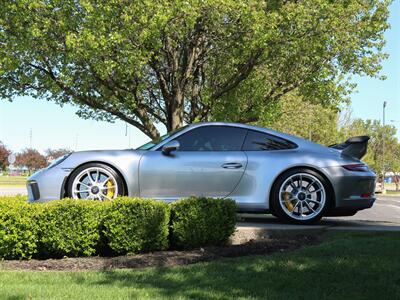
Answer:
(288, 203)
(110, 190)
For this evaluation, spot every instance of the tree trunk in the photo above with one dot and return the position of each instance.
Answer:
(396, 181)
(175, 112)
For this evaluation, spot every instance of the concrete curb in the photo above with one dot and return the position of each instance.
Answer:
(246, 232)
(257, 231)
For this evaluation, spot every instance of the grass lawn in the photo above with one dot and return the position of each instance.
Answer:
(12, 181)
(346, 266)
(392, 193)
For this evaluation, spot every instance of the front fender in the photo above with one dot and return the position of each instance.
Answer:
(125, 162)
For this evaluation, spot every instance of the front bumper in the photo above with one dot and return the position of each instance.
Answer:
(47, 184)
(353, 190)
(33, 191)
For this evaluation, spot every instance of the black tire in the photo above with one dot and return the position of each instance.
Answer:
(272, 212)
(77, 171)
(280, 213)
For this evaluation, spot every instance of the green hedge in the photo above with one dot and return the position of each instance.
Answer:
(19, 199)
(199, 222)
(70, 227)
(125, 225)
(19, 229)
(137, 225)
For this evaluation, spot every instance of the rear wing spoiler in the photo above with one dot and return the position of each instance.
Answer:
(355, 147)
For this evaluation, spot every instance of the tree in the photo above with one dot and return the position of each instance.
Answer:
(52, 154)
(31, 159)
(4, 153)
(396, 166)
(311, 121)
(377, 133)
(174, 62)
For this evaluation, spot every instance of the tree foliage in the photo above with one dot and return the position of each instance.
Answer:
(379, 134)
(30, 158)
(4, 153)
(298, 117)
(172, 62)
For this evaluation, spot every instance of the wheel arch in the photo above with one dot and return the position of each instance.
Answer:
(332, 201)
(67, 178)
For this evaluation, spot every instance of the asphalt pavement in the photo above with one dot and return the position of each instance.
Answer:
(10, 191)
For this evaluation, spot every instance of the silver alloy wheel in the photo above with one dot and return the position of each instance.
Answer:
(302, 196)
(95, 184)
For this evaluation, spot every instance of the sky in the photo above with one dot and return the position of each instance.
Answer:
(28, 122)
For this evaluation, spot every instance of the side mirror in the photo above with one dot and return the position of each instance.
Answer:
(169, 147)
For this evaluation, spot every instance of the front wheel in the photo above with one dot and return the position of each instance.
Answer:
(300, 196)
(95, 181)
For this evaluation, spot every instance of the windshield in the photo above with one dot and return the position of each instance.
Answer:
(155, 142)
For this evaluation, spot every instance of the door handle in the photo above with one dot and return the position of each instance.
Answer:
(232, 165)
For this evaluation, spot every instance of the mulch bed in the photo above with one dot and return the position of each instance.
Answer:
(166, 258)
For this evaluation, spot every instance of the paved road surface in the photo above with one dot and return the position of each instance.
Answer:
(7, 191)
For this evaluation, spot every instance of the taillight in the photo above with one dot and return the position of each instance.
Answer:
(356, 167)
(366, 195)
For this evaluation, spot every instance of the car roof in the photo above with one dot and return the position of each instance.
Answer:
(250, 127)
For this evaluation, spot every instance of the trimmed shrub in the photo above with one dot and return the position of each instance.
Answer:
(19, 228)
(71, 227)
(19, 199)
(199, 222)
(136, 225)
(123, 226)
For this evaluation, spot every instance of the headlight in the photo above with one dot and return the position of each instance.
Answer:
(58, 161)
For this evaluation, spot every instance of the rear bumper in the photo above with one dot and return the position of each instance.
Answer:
(356, 203)
(353, 190)
(350, 207)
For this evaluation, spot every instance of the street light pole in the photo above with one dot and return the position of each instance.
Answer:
(383, 149)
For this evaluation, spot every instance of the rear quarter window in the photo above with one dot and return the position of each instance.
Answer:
(259, 141)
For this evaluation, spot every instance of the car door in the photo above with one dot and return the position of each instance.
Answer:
(209, 162)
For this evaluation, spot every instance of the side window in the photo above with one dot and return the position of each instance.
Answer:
(258, 141)
(212, 138)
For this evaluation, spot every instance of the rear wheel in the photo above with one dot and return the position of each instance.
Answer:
(300, 196)
(95, 181)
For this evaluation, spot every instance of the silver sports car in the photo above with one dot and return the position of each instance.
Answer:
(261, 169)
